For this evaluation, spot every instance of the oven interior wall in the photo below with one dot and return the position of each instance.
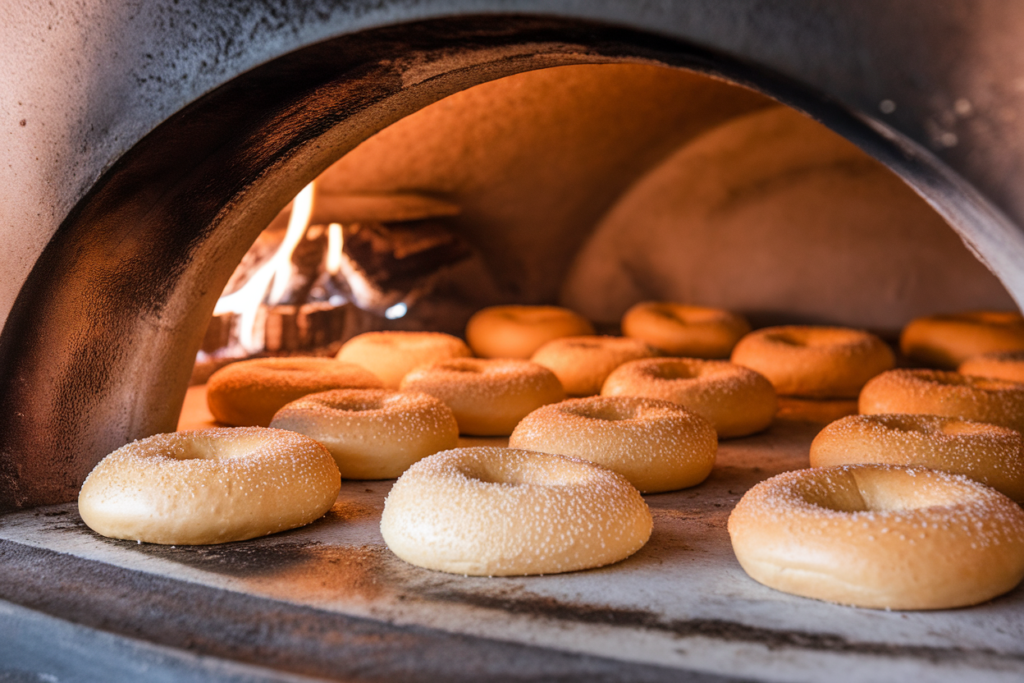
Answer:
(597, 186)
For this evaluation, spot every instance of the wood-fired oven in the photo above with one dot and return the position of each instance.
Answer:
(808, 161)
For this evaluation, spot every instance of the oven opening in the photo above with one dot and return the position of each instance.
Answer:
(592, 187)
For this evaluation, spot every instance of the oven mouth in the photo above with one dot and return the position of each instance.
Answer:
(98, 348)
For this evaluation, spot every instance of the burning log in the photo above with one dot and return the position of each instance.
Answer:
(385, 264)
(288, 292)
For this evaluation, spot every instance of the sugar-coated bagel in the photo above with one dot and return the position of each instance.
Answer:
(1008, 365)
(505, 512)
(682, 330)
(880, 536)
(941, 392)
(209, 486)
(656, 445)
(984, 452)
(518, 331)
(736, 400)
(248, 393)
(945, 341)
(391, 355)
(488, 396)
(814, 362)
(582, 364)
(372, 433)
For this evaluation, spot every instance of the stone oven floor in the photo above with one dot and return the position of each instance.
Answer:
(330, 600)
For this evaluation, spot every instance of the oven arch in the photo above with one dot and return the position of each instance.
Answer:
(98, 347)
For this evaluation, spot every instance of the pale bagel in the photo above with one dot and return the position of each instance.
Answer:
(984, 452)
(881, 537)
(209, 486)
(505, 512)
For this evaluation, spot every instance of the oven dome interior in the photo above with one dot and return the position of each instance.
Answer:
(597, 186)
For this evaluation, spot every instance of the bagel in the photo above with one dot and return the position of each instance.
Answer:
(505, 512)
(372, 433)
(984, 452)
(814, 362)
(880, 536)
(656, 445)
(582, 364)
(518, 331)
(488, 396)
(681, 330)
(945, 341)
(1008, 366)
(209, 486)
(736, 401)
(391, 355)
(940, 392)
(248, 393)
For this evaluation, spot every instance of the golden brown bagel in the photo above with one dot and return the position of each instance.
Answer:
(249, 392)
(736, 401)
(682, 330)
(940, 392)
(945, 341)
(814, 362)
(518, 331)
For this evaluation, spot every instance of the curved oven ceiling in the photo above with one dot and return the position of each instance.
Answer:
(97, 347)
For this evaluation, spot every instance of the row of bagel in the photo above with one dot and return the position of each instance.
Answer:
(387, 377)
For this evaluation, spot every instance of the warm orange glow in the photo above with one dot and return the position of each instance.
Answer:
(335, 242)
(270, 281)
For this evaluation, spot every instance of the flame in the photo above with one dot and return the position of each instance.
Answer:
(335, 242)
(270, 282)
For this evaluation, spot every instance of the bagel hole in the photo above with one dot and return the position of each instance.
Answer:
(672, 371)
(582, 344)
(545, 471)
(608, 411)
(885, 489)
(909, 423)
(358, 406)
(814, 337)
(963, 428)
